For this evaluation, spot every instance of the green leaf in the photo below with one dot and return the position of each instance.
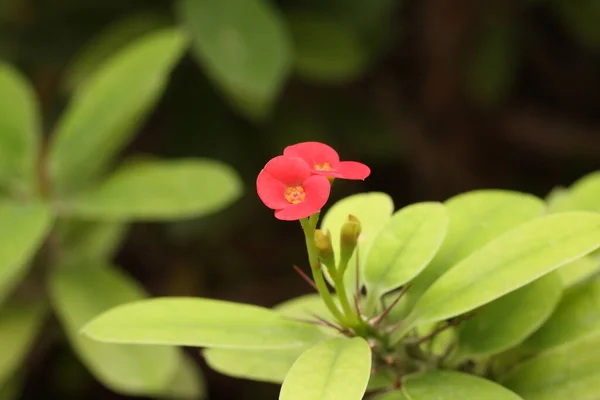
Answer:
(106, 111)
(326, 50)
(450, 385)
(307, 307)
(576, 316)
(579, 270)
(79, 294)
(571, 371)
(258, 365)
(188, 383)
(85, 241)
(490, 331)
(244, 48)
(509, 262)
(19, 325)
(111, 40)
(476, 218)
(405, 246)
(583, 195)
(394, 395)
(331, 370)
(581, 18)
(491, 69)
(158, 190)
(22, 231)
(373, 209)
(19, 133)
(202, 323)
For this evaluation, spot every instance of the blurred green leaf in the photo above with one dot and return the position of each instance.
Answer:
(19, 134)
(19, 325)
(579, 270)
(107, 109)
(450, 385)
(258, 365)
(405, 245)
(157, 190)
(79, 293)
(583, 195)
(22, 231)
(307, 307)
(394, 395)
(331, 370)
(507, 321)
(10, 390)
(576, 316)
(507, 263)
(491, 69)
(113, 39)
(188, 383)
(85, 241)
(476, 218)
(571, 371)
(373, 209)
(581, 20)
(243, 46)
(201, 323)
(325, 49)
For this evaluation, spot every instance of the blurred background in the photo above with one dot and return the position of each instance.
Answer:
(437, 96)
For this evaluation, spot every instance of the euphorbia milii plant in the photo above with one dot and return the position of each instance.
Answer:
(477, 297)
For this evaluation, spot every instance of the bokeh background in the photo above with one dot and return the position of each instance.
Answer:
(437, 96)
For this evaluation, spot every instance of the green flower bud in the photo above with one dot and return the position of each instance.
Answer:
(325, 250)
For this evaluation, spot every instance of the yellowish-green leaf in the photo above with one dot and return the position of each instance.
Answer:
(331, 370)
(19, 133)
(22, 231)
(583, 195)
(85, 241)
(490, 331)
(188, 383)
(243, 46)
(571, 371)
(79, 293)
(157, 190)
(20, 323)
(108, 108)
(202, 323)
(579, 270)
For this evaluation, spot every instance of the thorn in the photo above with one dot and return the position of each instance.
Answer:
(306, 277)
(357, 285)
(442, 328)
(329, 324)
(376, 321)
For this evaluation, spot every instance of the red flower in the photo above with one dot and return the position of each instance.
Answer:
(325, 161)
(287, 186)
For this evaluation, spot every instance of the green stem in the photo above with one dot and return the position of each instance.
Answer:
(308, 226)
(340, 288)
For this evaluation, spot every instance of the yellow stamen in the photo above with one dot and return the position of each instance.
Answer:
(323, 167)
(295, 194)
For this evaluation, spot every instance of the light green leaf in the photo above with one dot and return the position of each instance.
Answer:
(19, 325)
(583, 195)
(404, 247)
(107, 109)
(450, 385)
(394, 395)
(476, 218)
(19, 133)
(579, 270)
(331, 370)
(509, 262)
(490, 331)
(243, 46)
(326, 50)
(258, 365)
(571, 371)
(307, 307)
(157, 190)
(373, 209)
(22, 231)
(78, 294)
(576, 316)
(202, 323)
(381, 379)
(85, 241)
(188, 383)
(111, 40)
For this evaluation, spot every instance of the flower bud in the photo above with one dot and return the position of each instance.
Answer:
(350, 232)
(325, 250)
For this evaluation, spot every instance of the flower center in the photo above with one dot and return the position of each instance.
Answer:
(295, 194)
(323, 167)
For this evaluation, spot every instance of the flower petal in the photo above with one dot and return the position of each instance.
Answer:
(351, 170)
(314, 153)
(271, 190)
(290, 171)
(317, 190)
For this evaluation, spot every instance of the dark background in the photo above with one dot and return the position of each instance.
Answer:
(456, 95)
